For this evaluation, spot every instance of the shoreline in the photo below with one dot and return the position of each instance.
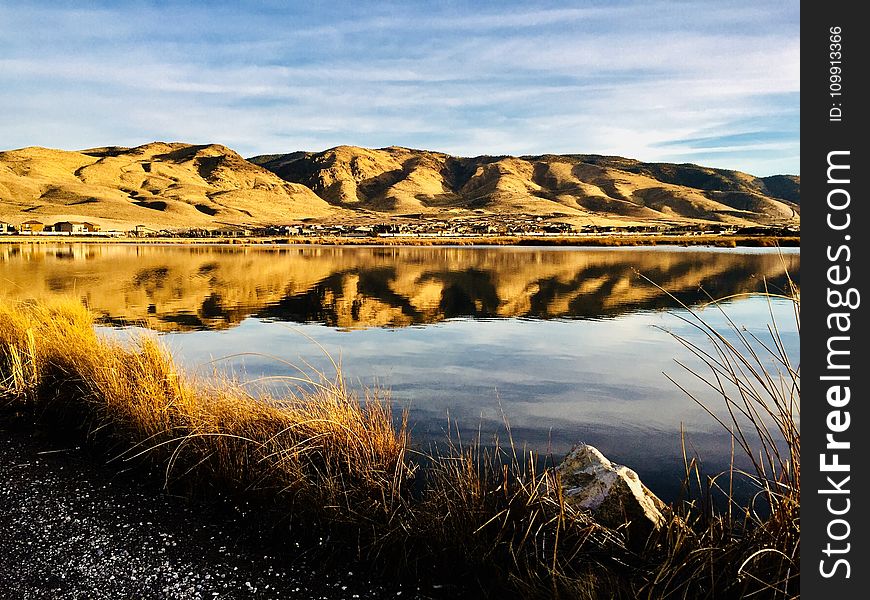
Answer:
(621, 240)
(74, 527)
(336, 462)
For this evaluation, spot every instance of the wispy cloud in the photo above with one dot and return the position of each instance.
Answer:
(648, 80)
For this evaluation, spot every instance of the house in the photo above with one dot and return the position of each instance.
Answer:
(69, 227)
(90, 227)
(33, 226)
(6, 228)
(143, 231)
(231, 232)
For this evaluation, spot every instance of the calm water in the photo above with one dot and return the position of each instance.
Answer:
(564, 344)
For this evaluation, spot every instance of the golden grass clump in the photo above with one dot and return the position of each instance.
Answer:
(325, 449)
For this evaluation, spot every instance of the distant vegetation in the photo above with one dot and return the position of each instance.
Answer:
(325, 457)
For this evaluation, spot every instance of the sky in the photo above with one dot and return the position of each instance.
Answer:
(710, 82)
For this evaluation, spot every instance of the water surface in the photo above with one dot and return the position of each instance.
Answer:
(564, 344)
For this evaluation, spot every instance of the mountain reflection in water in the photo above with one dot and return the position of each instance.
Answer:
(186, 287)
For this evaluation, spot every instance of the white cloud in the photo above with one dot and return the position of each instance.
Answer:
(614, 79)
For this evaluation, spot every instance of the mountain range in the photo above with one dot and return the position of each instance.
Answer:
(176, 186)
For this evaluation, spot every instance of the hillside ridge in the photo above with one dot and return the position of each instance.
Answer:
(175, 185)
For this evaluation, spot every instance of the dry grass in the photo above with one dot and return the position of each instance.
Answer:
(495, 516)
(323, 455)
(718, 546)
(488, 519)
(326, 450)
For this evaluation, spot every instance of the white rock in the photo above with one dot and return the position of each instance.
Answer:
(613, 493)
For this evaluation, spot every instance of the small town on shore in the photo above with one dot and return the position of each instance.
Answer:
(407, 226)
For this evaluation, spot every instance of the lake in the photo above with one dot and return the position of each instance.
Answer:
(564, 344)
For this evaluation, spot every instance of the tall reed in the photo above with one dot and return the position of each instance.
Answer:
(734, 547)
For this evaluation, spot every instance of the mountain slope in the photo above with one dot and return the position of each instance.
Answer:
(400, 180)
(177, 186)
(158, 185)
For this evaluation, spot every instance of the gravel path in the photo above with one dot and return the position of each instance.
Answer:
(71, 529)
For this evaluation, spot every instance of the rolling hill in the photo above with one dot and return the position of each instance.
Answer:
(157, 185)
(174, 186)
(400, 180)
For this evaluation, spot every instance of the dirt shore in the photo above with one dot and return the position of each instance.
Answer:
(71, 528)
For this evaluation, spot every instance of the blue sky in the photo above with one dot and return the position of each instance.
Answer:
(714, 82)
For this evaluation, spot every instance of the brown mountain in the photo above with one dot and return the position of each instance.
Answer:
(163, 185)
(400, 180)
(158, 185)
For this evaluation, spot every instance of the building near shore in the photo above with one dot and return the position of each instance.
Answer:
(6, 228)
(32, 226)
(75, 227)
(68, 227)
